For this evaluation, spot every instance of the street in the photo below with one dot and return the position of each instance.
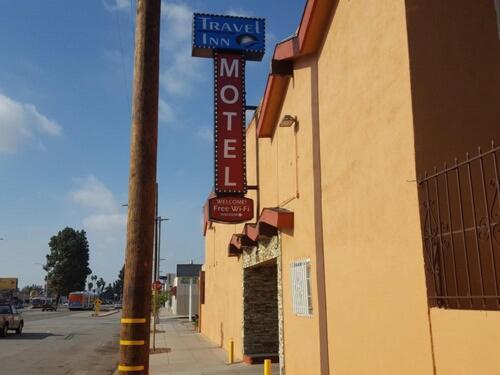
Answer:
(61, 342)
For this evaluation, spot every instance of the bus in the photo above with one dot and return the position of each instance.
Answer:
(81, 300)
(37, 302)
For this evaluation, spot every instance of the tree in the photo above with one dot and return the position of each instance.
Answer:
(158, 301)
(118, 284)
(100, 285)
(68, 261)
(35, 289)
(108, 293)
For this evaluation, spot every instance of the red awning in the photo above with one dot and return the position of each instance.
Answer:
(270, 221)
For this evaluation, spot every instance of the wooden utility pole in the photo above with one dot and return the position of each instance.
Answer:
(136, 314)
(155, 273)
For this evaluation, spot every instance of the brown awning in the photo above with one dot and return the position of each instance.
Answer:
(251, 231)
(279, 218)
(238, 242)
(270, 221)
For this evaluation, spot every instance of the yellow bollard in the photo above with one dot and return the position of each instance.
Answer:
(230, 354)
(97, 307)
(267, 367)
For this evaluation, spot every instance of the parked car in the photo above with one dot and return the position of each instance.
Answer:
(10, 319)
(49, 306)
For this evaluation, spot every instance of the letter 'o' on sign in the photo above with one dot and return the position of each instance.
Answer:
(229, 98)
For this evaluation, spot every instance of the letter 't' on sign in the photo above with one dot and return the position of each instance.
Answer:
(229, 74)
(239, 34)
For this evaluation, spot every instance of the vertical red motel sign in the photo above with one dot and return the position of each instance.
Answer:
(229, 74)
(230, 41)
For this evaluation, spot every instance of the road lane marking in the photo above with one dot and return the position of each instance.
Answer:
(133, 320)
(131, 342)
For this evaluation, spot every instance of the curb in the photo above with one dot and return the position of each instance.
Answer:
(105, 314)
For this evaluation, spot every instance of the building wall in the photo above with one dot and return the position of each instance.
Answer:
(365, 111)
(285, 180)
(294, 191)
(181, 299)
(466, 342)
(376, 294)
(455, 83)
(222, 318)
(222, 313)
(454, 54)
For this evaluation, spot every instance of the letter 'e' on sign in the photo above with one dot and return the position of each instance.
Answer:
(230, 170)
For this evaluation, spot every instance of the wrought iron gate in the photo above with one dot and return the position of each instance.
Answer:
(460, 222)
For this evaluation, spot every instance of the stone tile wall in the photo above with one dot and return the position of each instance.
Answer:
(261, 328)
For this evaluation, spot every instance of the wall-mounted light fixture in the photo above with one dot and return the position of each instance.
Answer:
(288, 121)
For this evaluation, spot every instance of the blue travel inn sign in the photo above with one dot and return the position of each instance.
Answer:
(228, 33)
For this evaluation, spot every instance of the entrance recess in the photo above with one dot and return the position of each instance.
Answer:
(261, 319)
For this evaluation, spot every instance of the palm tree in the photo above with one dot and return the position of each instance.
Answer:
(94, 279)
(100, 285)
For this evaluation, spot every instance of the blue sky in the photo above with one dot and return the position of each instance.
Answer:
(65, 94)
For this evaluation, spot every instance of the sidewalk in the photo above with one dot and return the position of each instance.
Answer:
(192, 354)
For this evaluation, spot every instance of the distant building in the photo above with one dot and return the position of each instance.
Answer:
(168, 281)
(187, 278)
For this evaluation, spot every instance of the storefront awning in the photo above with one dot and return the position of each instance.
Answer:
(270, 221)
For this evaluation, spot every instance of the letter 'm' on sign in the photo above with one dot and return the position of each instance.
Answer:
(225, 71)
(230, 174)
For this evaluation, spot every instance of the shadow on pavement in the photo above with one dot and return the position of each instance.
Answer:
(30, 336)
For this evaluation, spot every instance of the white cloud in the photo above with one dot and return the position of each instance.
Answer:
(182, 70)
(117, 5)
(239, 13)
(93, 194)
(181, 73)
(103, 218)
(105, 222)
(205, 133)
(165, 112)
(178, 17)
(21, 123)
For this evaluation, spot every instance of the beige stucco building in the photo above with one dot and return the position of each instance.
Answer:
(369, 254)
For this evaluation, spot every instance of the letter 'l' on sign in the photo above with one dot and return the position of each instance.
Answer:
(229, 74)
